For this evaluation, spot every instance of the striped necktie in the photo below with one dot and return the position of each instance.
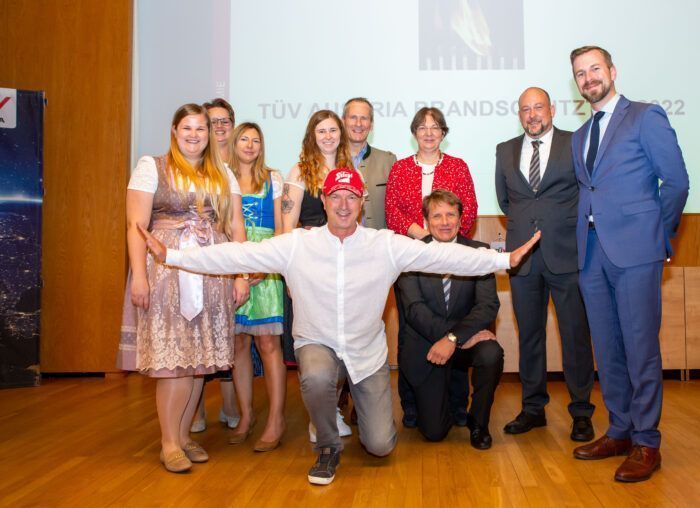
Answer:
(446, 284)
(535, 165)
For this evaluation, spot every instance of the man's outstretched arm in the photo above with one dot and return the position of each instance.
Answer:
(442, 257)
(268, 256)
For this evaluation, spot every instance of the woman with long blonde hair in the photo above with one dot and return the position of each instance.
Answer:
(177, 326)
(260, 318)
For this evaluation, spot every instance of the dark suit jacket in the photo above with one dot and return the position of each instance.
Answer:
(375, 167)
(552, 210)
(634, 219)
(473, 307)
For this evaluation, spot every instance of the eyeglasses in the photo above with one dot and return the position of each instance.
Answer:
(223, 122)
(424, 129)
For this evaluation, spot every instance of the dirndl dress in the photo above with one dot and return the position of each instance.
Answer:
(262, 313)
(188, 328)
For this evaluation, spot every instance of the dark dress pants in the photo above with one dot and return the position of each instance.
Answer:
(530, 299)
(432, 396)
(459, 385)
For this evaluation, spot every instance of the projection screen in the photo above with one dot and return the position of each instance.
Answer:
(277, 62)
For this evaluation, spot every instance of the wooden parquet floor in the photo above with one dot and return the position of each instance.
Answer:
(84, 442)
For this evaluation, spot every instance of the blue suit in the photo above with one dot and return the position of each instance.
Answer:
(621, 257)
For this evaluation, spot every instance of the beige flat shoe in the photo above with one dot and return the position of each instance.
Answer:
(176, 462)
(195, 452)
(239, 436)
(266, 446)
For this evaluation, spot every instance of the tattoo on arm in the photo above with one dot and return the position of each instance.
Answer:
(287, 202)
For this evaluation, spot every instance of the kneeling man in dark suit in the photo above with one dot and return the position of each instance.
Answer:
(446, 328)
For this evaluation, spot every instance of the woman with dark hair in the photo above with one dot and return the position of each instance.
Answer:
(223, 119)
(260, 318)
(325, 147)
(177, 326)
(413, 178)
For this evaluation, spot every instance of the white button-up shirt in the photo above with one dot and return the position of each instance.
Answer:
(339, 289)
(527, 151)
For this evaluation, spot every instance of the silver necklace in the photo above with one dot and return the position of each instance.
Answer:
(415, 161)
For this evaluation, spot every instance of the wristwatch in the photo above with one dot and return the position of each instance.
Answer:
(452, 338)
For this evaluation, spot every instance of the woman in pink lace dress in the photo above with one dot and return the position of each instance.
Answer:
(178, 326)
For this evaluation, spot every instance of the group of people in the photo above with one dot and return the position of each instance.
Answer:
(241, 256)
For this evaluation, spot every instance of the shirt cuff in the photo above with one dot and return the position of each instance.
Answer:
(503, 260)
(173, 257)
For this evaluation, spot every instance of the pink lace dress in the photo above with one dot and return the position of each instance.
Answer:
(161, 341)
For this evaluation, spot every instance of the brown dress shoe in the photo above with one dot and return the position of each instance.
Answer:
(639, 466)
(603, 448)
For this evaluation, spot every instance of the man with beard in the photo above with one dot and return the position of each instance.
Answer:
(537, 190)
(374, 164)
(625, 221)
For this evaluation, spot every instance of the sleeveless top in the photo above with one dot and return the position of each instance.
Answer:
(312, 213)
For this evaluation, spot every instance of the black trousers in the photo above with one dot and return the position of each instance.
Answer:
(458, 391)
(432, 396)
(459, 384)
(530, 299)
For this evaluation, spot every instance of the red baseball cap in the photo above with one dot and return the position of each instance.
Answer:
(344, 178)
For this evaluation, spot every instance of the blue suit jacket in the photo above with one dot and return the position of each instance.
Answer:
(634, 215)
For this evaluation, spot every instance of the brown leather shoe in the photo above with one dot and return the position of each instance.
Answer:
(603, 448)
(640, 465)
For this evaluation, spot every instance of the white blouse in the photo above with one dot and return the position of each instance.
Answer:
(144, 177)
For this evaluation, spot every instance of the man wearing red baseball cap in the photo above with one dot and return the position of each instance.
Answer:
(339, 276)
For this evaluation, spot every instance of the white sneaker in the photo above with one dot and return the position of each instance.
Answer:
(230, 421)
(199, 425)
(343, 428)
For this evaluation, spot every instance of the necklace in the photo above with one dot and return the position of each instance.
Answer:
(423, 169)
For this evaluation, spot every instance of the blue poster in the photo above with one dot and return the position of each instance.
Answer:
(21, 194)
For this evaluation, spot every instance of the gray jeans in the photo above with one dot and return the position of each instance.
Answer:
(321, 372)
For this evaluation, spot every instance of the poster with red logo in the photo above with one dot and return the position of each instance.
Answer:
(21, 196)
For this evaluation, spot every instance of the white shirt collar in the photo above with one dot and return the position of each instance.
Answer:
(546, 139)
(351, 238)
(609, 106)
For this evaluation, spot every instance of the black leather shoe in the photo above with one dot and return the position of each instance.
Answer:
(479, 437)
(460, 417)
(410, 418)
(582, 429)
(525, 422)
